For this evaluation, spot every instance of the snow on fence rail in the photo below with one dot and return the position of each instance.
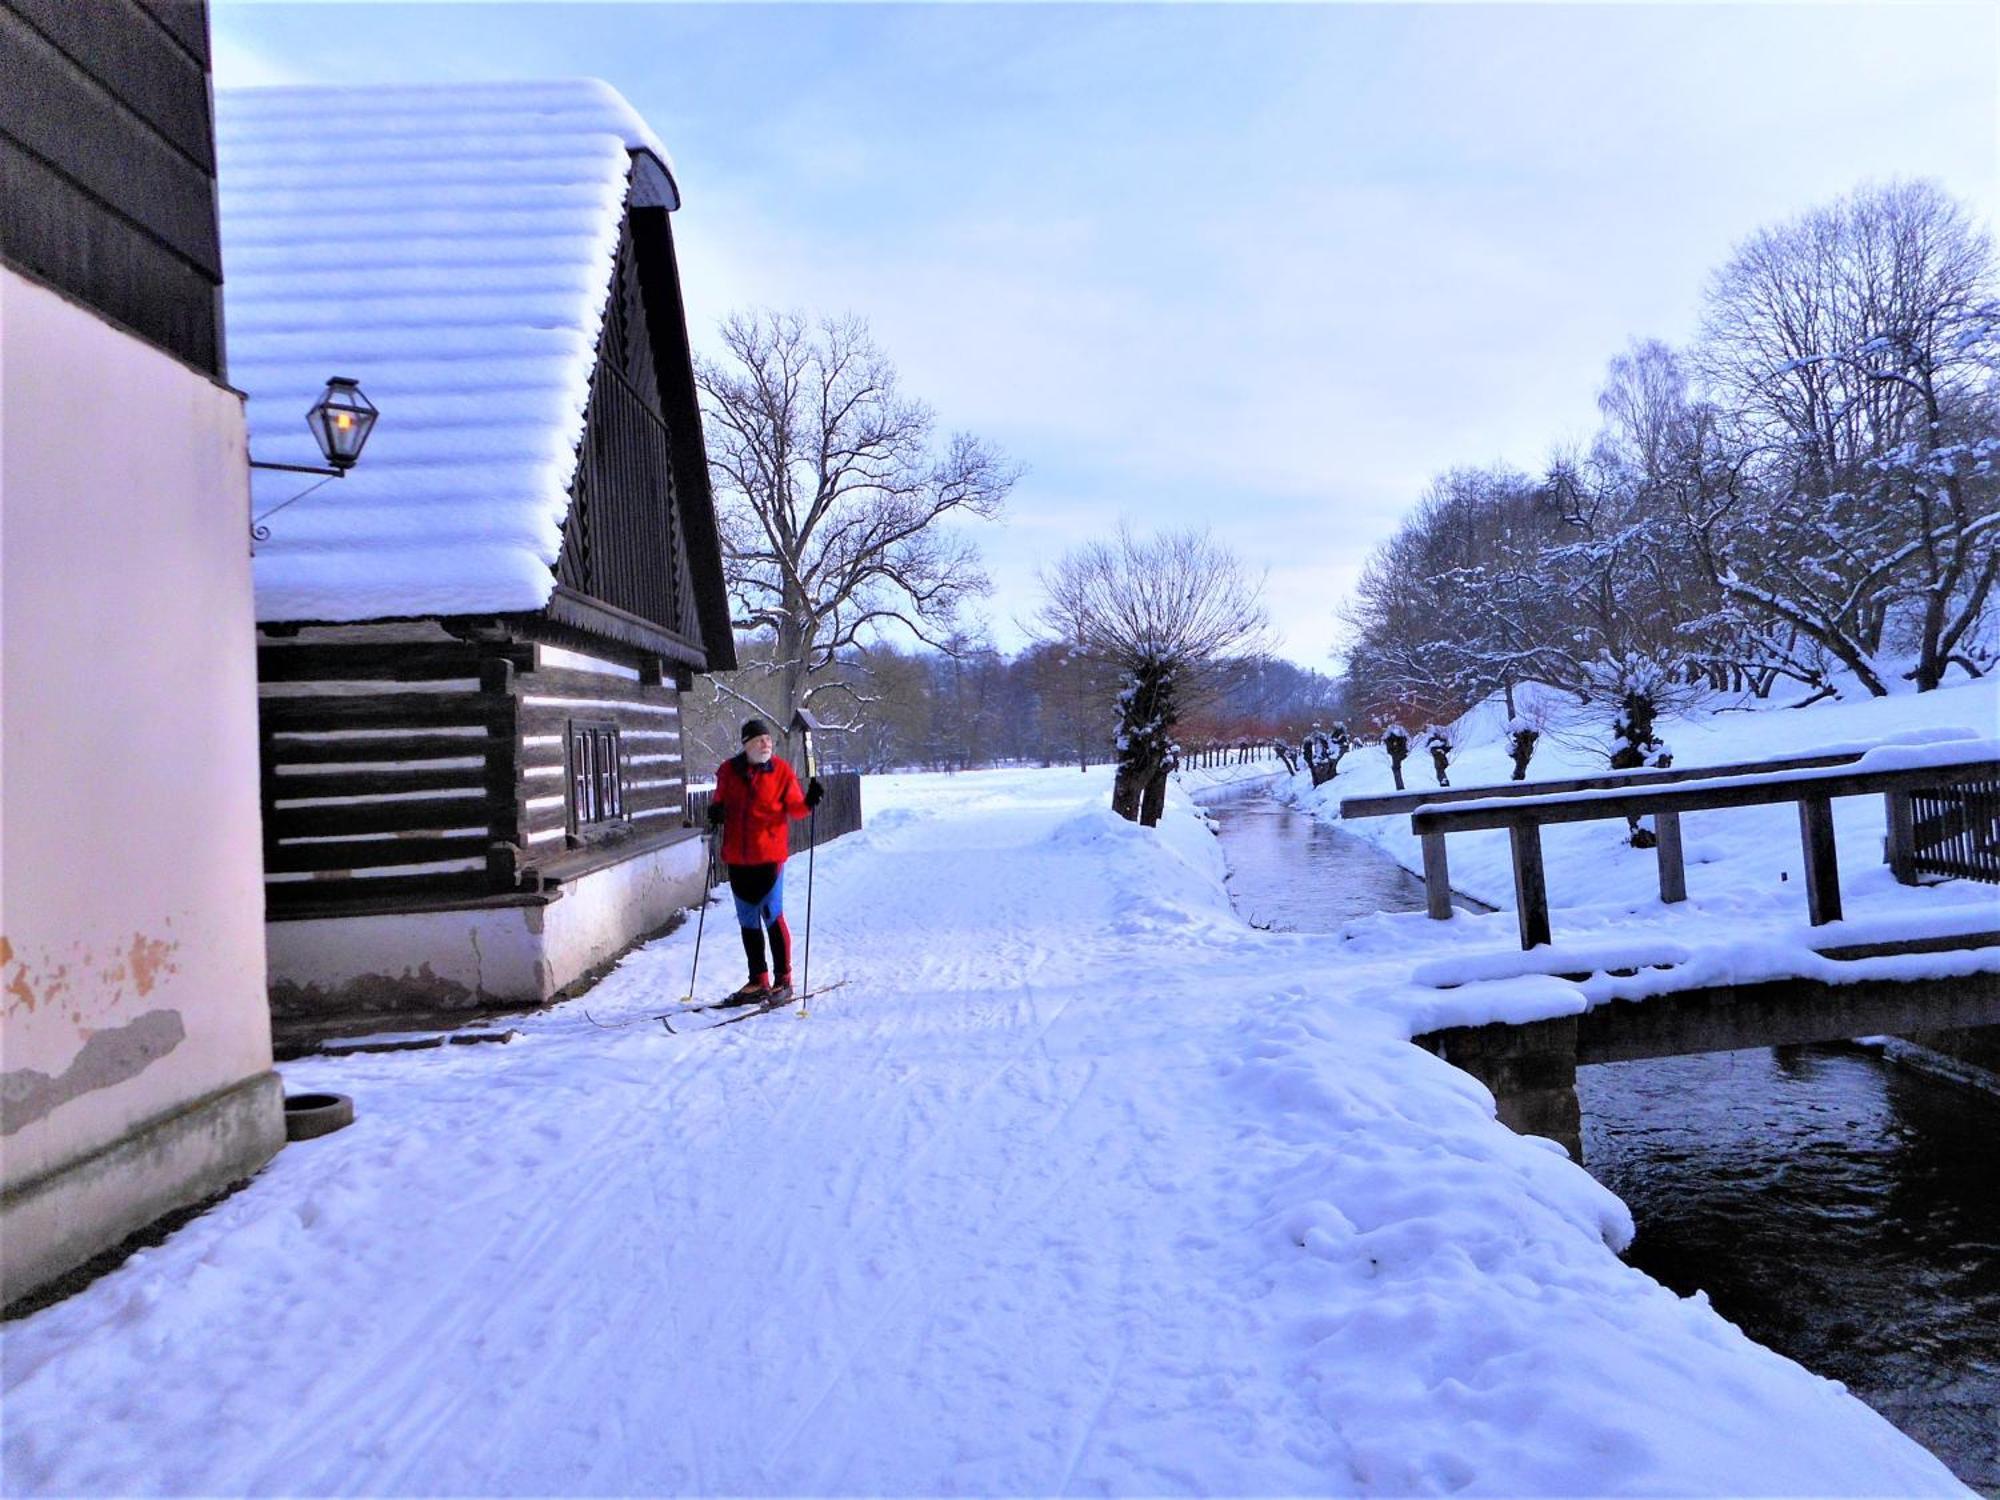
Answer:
(1959, 774)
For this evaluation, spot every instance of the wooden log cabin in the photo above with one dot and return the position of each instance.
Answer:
(472, 648)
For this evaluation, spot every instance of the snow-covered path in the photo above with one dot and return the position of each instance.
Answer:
(1078, 1185)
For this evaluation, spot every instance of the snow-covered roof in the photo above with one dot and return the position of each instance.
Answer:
(452, 249)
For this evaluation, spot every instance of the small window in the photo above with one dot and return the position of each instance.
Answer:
(596, 788)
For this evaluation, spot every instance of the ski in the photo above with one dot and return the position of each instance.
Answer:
(761, 1005)
(776, 1002)
(685, 1008)
(617, 1025)
(728, 1002)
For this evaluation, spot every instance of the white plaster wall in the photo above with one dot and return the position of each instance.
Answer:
(602, 912)
(130, 857)
(438, 960)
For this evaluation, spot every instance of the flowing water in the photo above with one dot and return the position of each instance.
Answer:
(1841, 1210)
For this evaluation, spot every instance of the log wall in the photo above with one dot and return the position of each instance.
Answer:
(401, 766)
(387, 766)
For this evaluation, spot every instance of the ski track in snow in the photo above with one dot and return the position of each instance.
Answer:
(1079, 1186)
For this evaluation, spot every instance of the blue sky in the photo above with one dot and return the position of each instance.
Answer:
(1266, 268)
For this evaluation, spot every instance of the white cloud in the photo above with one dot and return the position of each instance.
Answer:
(236, 64)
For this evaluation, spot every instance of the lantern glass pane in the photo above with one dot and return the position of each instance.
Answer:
(341, 422)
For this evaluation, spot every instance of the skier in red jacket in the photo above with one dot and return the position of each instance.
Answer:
(757, 796)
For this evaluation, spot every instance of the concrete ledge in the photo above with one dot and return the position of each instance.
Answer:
(57, 1221)
(327, 973)
(1781, 1012)
(1531, 1069)
(1970, 1056)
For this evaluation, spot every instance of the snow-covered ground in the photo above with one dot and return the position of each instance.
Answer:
(1745, 918)
(1080, 1184)
(1743, 849)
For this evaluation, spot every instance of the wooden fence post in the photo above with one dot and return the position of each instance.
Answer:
(1673, 867)
(1531, 890)
(1822, 865)
(1901, 851)
(1437, 879)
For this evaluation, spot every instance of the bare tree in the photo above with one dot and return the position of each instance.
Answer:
(1165, 610)
(836, 506)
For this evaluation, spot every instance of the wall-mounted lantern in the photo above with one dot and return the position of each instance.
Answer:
(341, 419)
(340, 422)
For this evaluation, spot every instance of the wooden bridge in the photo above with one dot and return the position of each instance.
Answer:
(1942, 803)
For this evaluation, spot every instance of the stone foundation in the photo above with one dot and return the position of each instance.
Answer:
(491, 955)
(55, 1222)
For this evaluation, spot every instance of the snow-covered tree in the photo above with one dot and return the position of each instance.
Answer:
(1522, 736)
(1633, 692)
(1850, 487)
(1324, 749)
(1814, 491)
(1166, 611)
(1438, 741)
(1396, 743)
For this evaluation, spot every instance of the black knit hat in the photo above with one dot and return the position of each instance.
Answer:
(754, 729)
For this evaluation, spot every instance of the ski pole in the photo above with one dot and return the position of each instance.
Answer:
(812, 848)
(701, 920)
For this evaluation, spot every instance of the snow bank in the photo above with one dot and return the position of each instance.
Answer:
(451, 248)
(1079, 1184)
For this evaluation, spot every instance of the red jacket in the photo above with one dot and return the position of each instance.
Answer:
(758, 805)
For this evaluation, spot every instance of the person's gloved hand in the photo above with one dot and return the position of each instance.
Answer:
(715, 815)
(814, 792)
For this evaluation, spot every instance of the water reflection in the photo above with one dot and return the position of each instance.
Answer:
(1841, 1210)
(1292, 872)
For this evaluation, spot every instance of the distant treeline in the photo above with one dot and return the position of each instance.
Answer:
(1046, 705)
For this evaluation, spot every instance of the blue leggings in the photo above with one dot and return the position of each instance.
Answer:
(760, 894)
(760, 907)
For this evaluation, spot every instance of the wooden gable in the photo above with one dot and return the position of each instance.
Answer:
(626, 540)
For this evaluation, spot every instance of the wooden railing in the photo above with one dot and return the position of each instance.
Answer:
(1524, 811)
(1243, 753)
(1950, 833)
(1408, 802)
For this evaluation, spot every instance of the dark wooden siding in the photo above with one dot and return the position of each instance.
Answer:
(384, 753)
(391, 746)
(647, 716)
(673, 360)
(107, 163)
